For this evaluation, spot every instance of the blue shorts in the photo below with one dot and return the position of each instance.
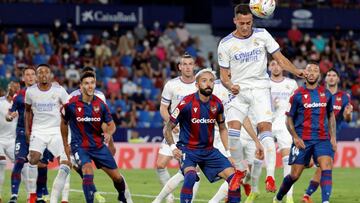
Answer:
(313, 148)
(211, 162)
(102, 157)
(22, 148)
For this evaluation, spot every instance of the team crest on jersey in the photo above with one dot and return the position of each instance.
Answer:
(213, 109)
(338, 98)
(79, 109)
(195, 109)
(306, 96)
(96, 109)
(322, 94)
(255, 42)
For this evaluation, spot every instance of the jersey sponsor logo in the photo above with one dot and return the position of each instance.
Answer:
(203, 120)
(88, 119)
(248, 56)
(337, 107)
(314, 105)
(41, 107)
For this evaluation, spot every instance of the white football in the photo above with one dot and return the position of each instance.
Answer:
(262, 8)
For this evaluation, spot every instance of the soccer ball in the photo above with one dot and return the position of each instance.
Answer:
(262, 8)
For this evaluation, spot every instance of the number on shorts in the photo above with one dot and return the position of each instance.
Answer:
(17, 146)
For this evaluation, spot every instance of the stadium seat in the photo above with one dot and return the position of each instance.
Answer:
(157, 120)
(9, 59)
(144, 119)
(39, 59)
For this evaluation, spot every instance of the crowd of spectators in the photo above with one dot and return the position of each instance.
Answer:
(132, 65)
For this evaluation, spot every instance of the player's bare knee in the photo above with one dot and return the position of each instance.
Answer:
(234, 125)
(264, 126)
(161, 163)
(34, 158)
(87, 169)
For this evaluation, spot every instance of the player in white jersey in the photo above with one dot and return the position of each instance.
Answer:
(244, 53)
(174, 91)
(42, 122)
(237, 149)
(8, 131)
(281, 90)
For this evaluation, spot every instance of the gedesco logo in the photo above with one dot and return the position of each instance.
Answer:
(314, 105)
(88, 119)
(203, 120)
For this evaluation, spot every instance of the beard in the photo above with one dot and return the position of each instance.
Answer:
(206, 92)
(312, 82)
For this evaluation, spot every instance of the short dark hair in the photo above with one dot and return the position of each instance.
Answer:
(88, 74)
(312, 62)
(87, 68)
(242, 9)
(43, 64)
(29, 67)
(333, 70)
(186, 55)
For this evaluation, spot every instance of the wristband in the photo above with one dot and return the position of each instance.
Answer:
(172, 147)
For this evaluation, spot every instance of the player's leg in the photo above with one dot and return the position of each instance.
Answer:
(66, 190)
(118, 181)
(164, 156)
(297, 159)
(324, 155)
(313, 186)
(20, 167)
(36, 148)
(284, 141)
(169, 187)
(41, 181)
(256, 169)
(88, 182)
(2, 167)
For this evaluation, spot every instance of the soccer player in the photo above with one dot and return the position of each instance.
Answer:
(281, 90)
(244, 53)
(174, 91)
(343, 112)
(91, 125)
(42, 122)
(20, 167)
(197, 114)
(311, 122)
(7, 137)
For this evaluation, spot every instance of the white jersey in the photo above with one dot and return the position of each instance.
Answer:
(8, 129)
(175, 90)
(247, 58)
(45, 106)
(96, 93)
(280, 95)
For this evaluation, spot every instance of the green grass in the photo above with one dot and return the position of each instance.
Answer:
(145, 182)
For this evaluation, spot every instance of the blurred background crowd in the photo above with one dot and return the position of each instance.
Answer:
(132, 64)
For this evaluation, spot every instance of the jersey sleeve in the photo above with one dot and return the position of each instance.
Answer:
(65, 112)
(106, 115)
(271, 45)
(347, 99)
(102, 97)
(28, 99)
(166, 95)
(330, 103)
(293, 105)
(223, 56)
(64, 96)
(220, 118)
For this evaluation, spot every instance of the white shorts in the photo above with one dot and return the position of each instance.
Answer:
(249, 149)
(256, 100)
(63, 157)
(165, 148)
(283, 138)
(53, 142)
(7, 148)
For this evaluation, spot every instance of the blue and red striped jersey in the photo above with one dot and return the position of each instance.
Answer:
(19, 106)
(85, 121)
(310, 109)
(197, 121)
(340, 100)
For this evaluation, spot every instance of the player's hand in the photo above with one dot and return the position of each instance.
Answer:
(301, 73)
(112, 148)
(177, 154)
(299, 143)
(107, 137)
(232, 161)
(259, 153)
(235, 89)
(348, 109)
(176, 130)
(11, 116)
(334, 144)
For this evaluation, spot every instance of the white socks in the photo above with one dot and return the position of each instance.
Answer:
(255, 174)
(59, 183)
(221, 193)
(2, 174)
(66, 190)
(32, 177)
(170, 186)
(270, 152)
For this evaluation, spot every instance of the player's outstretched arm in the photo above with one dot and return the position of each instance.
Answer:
(28, 120)
(332, 130)
(299, 143)
(287, 65)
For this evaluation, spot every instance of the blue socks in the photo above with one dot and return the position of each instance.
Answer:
(234, 196)
(285, 187)
(88, 187)
(312, 187)
(326, 184)
(187, 189)
(16, 176)
(120, 187)
(41, 182)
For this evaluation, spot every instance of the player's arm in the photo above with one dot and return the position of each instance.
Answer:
(169, 126)
(250, 130)
(299, 143)
(12, 113)
(286, 64)
(65, 134)
(109, 129)
(28, 120)
(348, 110)
(164, 112)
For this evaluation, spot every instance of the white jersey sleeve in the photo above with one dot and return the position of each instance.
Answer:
(8, 129)
(271, 45)
(166, 95)
(223, 56)
(64, 96)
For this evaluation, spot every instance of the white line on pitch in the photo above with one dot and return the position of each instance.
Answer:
(135, 195)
